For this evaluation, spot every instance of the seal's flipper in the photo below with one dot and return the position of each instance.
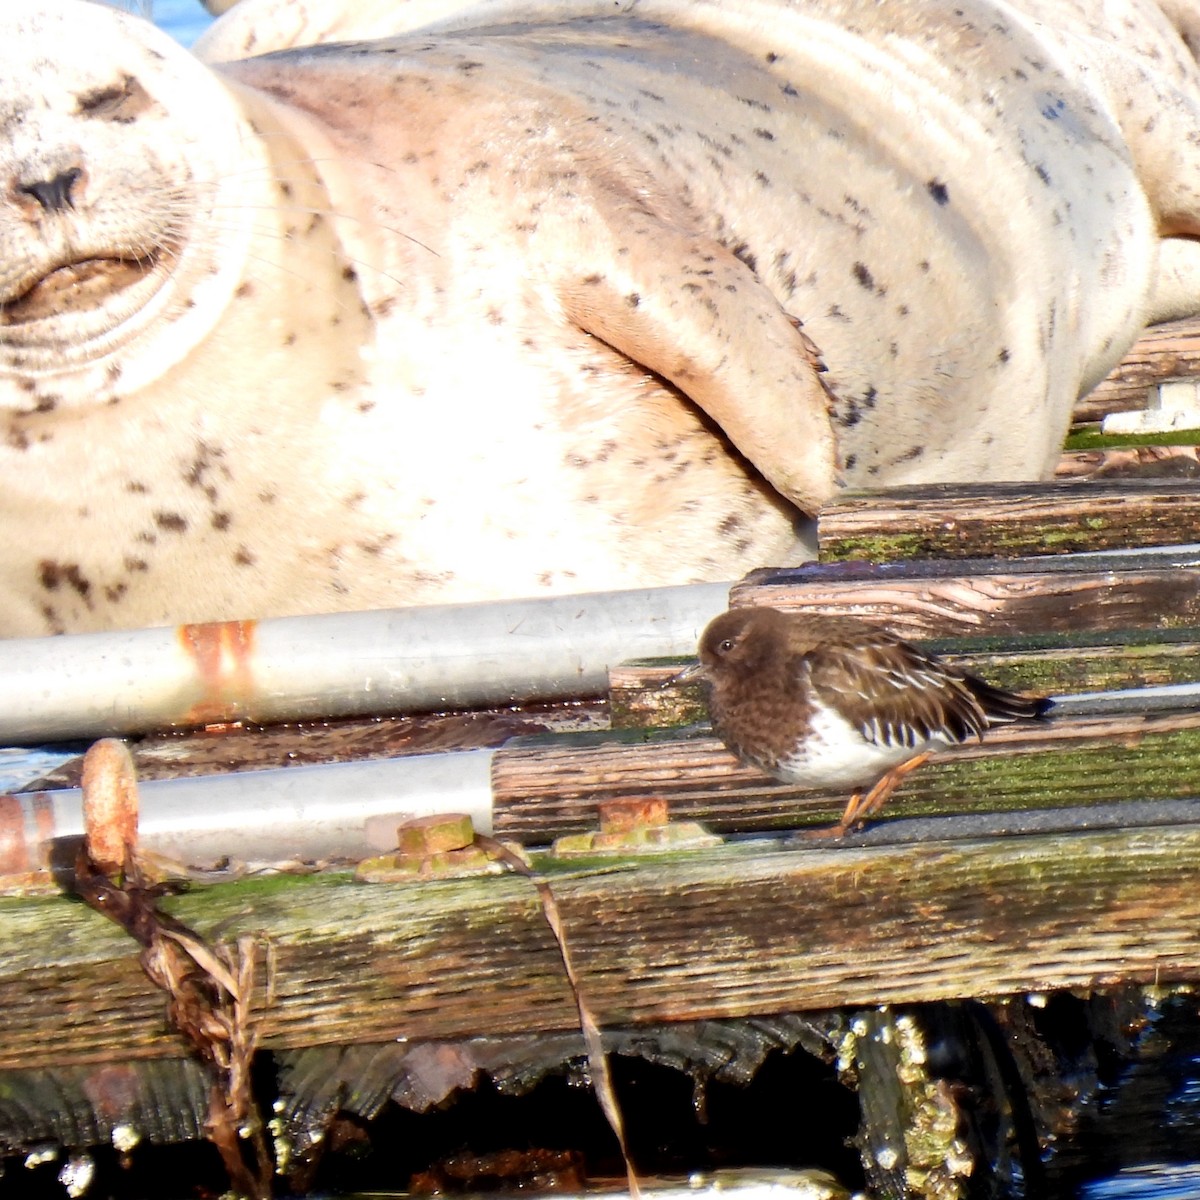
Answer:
(693, 313)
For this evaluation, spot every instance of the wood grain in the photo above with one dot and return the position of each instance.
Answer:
(545, 793)
(1167, 351)
(1007, 520)
(736, 931)
(1146, 590)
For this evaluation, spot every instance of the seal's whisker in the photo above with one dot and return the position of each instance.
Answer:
(281, 268)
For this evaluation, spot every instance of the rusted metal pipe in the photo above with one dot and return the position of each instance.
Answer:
(351, 810)
(339, 810)
(342, 664)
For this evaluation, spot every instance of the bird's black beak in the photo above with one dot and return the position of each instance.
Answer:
(694, 674)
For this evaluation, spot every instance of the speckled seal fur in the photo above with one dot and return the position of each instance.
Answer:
(507, 304)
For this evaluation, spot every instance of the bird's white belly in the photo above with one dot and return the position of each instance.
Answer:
(836, 755)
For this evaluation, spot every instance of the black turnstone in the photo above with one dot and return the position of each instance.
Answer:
(832, 702)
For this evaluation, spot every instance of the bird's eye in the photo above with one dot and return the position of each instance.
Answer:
(725, 646)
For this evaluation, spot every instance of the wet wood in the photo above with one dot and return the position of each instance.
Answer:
(741, 930)
(1061, 593)
(641, 693)
(1167, 351)
(1007, 520)
(157, 1100)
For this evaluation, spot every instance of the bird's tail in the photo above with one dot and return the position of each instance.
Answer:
(1001, 706)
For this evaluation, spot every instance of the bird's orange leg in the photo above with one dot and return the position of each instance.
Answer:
(861, 807)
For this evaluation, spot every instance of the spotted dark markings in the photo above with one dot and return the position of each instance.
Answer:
(939, 191)
(171, 522)
(863, 276)
(743, 253)
(54, 575)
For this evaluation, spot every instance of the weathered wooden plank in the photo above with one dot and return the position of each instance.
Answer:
(1130, 461)
(735, 931)
(157, 1100)
(547, 791)
(1007, 520)
(1167, 351)
(1155, 590)
(1050, 664)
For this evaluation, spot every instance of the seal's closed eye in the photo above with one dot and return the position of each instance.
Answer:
(122, 101)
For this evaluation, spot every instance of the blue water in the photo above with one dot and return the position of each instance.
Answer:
(183, 19)
(1172, 1181)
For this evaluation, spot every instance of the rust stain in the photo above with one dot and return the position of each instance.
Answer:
(113, 1090)
(40, 819)
(27, 833)
(223, 652)
(14, 846)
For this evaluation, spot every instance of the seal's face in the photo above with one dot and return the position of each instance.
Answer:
(104, 179)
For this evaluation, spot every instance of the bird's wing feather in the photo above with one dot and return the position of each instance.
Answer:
(893, 693)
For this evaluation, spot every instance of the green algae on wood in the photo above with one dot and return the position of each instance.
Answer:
(999, 520)
(1062, 763)
(1090, 438)
(740, 930)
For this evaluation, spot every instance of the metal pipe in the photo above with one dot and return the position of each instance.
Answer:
(341, 664)
(346, 809)
(338, 810)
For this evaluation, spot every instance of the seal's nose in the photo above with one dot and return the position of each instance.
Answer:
(54, 194)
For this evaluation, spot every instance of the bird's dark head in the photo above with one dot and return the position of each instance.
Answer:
(742, 641)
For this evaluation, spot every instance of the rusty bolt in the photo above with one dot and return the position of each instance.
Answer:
(110, 805)
(628, 814)
(437, 834)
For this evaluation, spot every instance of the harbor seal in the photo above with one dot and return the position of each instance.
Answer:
(510, 303)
